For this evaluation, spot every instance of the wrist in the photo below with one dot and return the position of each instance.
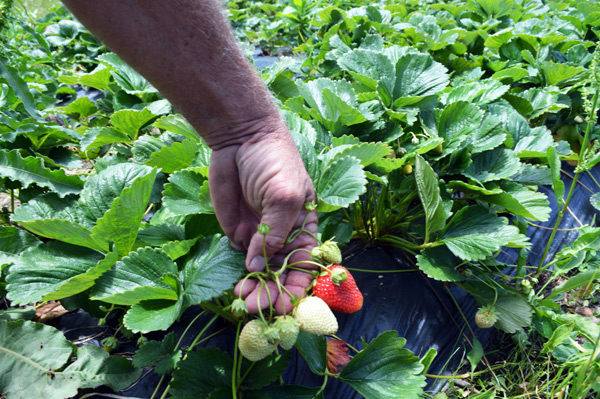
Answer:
(246, 131)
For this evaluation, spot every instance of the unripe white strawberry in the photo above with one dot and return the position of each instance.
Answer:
(253, 344)
(486, 317)
(315, 317)
(288, 331)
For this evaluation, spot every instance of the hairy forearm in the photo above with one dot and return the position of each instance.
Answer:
(186, 49)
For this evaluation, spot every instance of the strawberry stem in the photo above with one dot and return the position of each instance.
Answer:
(235, 362)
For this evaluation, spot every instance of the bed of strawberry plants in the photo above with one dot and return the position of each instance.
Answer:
(463, 134)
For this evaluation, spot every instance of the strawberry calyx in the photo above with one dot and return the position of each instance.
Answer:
(338, 276)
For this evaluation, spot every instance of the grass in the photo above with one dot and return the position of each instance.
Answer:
(37, 8)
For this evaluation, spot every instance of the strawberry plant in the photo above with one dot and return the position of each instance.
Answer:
(461, 133)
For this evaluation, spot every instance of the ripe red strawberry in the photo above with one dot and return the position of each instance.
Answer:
(338, 289)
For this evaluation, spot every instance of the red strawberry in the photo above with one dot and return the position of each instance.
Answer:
(338, 289)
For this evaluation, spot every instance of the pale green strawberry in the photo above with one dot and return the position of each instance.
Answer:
(252, 343)
(288, 331)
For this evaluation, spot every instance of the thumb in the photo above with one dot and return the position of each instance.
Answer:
(280, 220)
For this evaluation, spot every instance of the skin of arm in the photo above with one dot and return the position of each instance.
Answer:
(186, 49)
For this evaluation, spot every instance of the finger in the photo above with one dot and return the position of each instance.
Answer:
(280, 219)
(244, 287)
(259, 297)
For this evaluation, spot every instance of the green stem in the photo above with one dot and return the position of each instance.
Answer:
(322, 386)
(162, 377)
(201, 333)
(563, 209)
(241, 380)
(188, 327)
(235, 361)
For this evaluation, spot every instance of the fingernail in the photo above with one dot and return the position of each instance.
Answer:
(256, 264)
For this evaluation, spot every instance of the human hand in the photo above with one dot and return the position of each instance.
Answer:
(261, 181)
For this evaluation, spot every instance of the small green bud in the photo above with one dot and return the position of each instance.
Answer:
(110, 344)
(238, 308)
(310, 206)
(264, 229)
(141, 341)
(101, 322)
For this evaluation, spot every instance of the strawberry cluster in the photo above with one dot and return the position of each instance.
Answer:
(333, 289)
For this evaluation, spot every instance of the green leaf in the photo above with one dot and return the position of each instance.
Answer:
(385, 369)
(457, 122)
(144, 146)
(202, 372)
(176, 249)
(13, 241)
(162, 353)
(560, 74)
(489, 135)
(265, 371)
(543, 100)
(161, 234)
(340, 184)
(136, 278)
(104, 187)
(366, 153)
(583, 279)
(98, 137)
(14, 314)
(56, 218)
(417, 75)
(130, 121)
(154, 351)
(120, 224)
(308, 154)
(125, 76)
(19, 86)
(34, 364)
(499, 38)
(187, 193)
(153, 315)
(213, 267)
(513, 311)
(557, 184)
(522, 201)
(369, 68)
(31, 170)
(514, 74)
(475, 233)
(313, 349)
(475, 354)
(558, 337)
(589, 240)
(286, 392)
(99, 78)
(480, 93)
(595, 201)
(29, 353)
(54, 271)
(439, 264)
(429, 193)
(175, 157)
(80, 108)
(332, 103)
(496, 164)
(176, 123)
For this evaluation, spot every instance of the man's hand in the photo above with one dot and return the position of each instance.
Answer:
(264, 180)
